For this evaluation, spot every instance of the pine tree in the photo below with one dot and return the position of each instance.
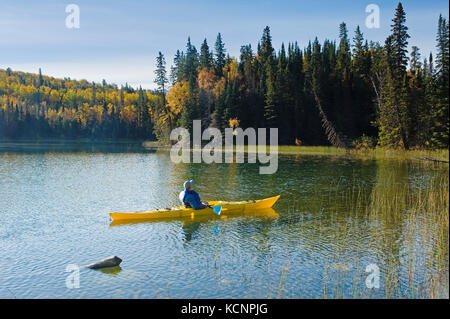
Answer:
(415, 61)
(418, 102)
(40, 80)
(220, 55)
(191, 63)
(440, 110)
(177, 69)
(160, 75)
(206, 58)
(399, 41)
(266, 50)
(343, 55)
(395, 118)
(343, 110)
(267, 78)
(190, 110)
(362, 85)
(270, 106)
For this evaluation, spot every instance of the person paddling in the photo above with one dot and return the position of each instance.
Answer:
(190, 198)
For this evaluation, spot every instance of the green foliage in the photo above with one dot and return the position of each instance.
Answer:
(440, 110)
(327, 93)
(220, 55)
(160, 73)
(206, 57)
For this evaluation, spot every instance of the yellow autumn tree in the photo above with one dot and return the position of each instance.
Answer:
(84, 114)
(233, 123)
(219, 87)
(231, 70)
(206, 79)
(176, 99)
(128, 114)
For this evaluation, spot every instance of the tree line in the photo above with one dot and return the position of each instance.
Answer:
(36, 106)
(346, 92)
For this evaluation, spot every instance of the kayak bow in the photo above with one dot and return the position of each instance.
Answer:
(228, 208)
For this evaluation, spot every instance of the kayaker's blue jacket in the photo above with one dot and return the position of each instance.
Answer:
(192, 199)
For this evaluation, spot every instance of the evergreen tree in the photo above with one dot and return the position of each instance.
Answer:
(40, 80)
(220, 55)
(191, 62)
(395, 118)
(177, 69)
(440, 110)
(362, 85)
(415, 61)
(190, 110)
(270, 106)
(266, 50)
(343, 55)
(399, 42)
(161, 75)
(206, 58)
(326, 93)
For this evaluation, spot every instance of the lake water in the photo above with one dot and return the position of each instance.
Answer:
(54, 204)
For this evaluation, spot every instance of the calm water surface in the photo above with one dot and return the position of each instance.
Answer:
(53, 212)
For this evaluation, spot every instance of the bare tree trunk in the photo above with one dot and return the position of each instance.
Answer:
(377, 89)
(333, 136)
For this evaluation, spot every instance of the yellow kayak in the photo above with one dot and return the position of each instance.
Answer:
(228, 208)
(269, 213)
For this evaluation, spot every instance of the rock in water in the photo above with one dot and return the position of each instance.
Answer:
(105, 263)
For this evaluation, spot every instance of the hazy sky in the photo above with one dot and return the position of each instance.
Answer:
(118, 40)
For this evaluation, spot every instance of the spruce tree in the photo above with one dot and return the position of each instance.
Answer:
(440, 110)
(220, 55)
(395, 118)
(415, 61)
(343, 55)
(161, 75)
(177, 68)
(191, 62)
(40, 80)
(399, 41)
(206, 59)
(266, 50)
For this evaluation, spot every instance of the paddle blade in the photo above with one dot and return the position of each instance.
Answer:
(217, 209)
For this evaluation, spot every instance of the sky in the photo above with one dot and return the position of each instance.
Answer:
(118, 40)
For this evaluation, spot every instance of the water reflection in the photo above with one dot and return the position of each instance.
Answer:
(263, 213)
(81, 146)
(114, 271)
(336, 215)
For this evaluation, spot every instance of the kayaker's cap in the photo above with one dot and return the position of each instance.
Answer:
(188, 183)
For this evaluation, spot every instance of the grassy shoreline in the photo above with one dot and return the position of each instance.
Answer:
(441, 155)
(417, 154)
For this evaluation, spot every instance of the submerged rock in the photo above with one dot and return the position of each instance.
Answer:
(111, 261)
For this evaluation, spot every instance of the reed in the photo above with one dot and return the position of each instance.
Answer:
(423, 219)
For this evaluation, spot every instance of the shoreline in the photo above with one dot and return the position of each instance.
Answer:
(437, 156)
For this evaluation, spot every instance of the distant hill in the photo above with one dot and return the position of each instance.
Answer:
(39, 106)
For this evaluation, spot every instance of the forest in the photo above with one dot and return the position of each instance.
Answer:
(343, 92)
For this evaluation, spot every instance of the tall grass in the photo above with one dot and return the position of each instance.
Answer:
(421, 236)
(379, 153)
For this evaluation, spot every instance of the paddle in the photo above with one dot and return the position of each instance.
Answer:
(217, 209)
